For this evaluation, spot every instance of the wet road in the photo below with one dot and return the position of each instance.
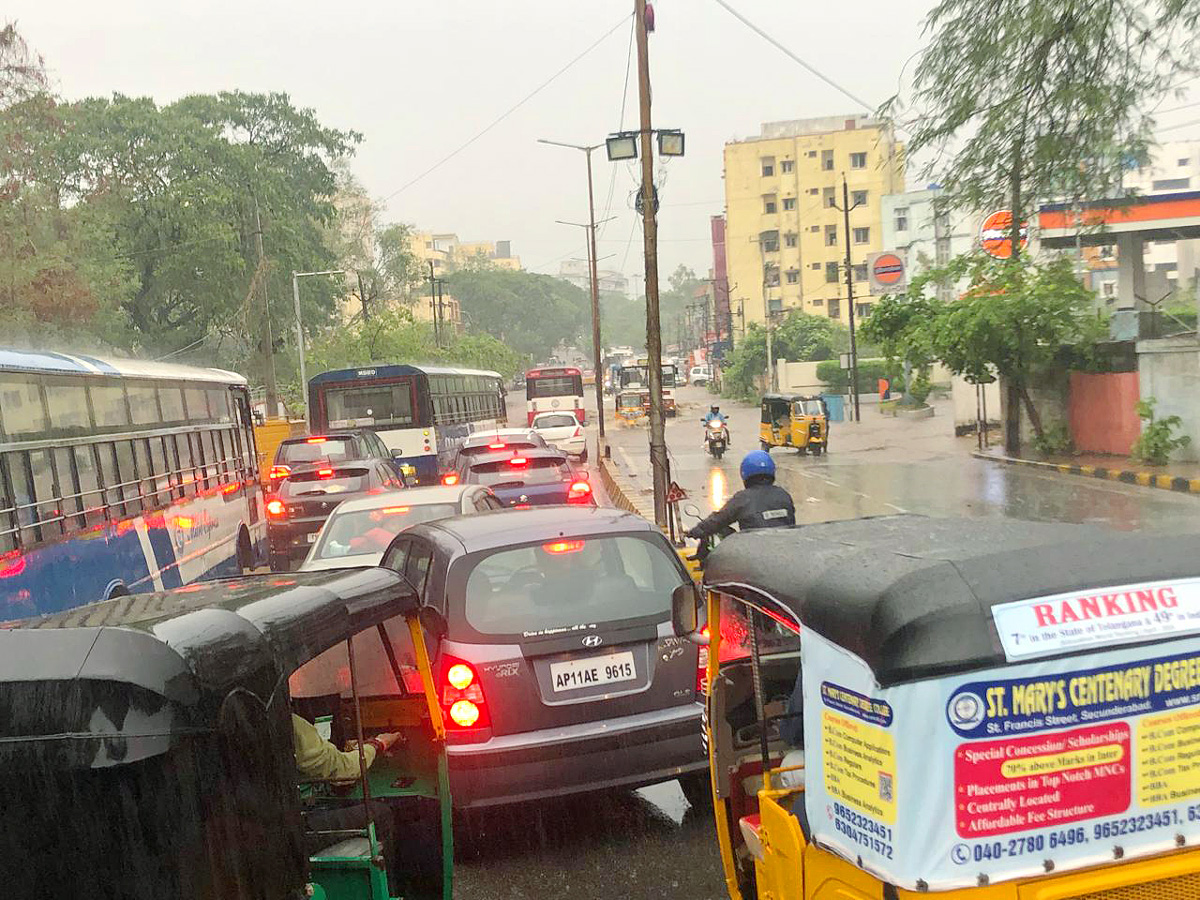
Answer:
(629, 845)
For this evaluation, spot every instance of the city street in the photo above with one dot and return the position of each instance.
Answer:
(649, 842)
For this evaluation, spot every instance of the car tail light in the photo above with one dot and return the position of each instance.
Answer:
(499, 446)
(395, 510)
(316, 440)
(563, 546)
(450, 478)
(280, 472)
(580, 492)
(518, 461)
(461, 696)
(324, 473)
(276, 508)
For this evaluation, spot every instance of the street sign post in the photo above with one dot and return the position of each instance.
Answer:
(676, 494)
(886, 272)
(995, 234)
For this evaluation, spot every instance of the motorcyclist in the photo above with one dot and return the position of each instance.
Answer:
(715, 414)
(760, 504)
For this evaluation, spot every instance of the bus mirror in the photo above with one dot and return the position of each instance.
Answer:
(685, 609)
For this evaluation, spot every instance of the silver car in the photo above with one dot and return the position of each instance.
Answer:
(559, 671)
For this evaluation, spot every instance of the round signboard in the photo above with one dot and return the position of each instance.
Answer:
(995, 234)
(888, 269)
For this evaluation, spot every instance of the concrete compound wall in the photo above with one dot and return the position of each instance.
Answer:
(1169, 370)
(1102, 412)
(798, 377)
(962, 394)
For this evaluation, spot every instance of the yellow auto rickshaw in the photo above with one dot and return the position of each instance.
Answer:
(794, 420)
(970, 709)
(632, 406)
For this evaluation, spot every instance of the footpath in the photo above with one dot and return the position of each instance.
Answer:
(1175, 476)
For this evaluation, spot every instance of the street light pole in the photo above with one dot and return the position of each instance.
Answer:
(846, 208)
(296, 276)
(659, 466)
(593, 254)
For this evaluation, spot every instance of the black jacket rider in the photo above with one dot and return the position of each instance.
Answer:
(760, 504)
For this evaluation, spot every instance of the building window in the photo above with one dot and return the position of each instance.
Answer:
(831, 273)
(830, 198)
(769, 241)
(862, 310)
(818, 301)
(815, 229)
(858, 198)
(1106, 252)
(775, 304)
(816, 266)
(1109, 289)
(1171, 184)
(791, 239)
(860, 272)
(793, 276)
(769, 206)
(830, 235)
(862, 235)
(814, 190)
(835, 309)
(858, 160)
(787, 167)
(812, 154)
(901, 218)
(789, 203)
(768, 166)
(771, 275)
(1182, 162)
(827, 160)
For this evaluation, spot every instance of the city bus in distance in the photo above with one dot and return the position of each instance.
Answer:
(633, 377)
(558, 389)
(422, 413)
(120, 477)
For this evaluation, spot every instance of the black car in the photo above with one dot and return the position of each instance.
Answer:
(559, 671)
(533, 477)
(333, 448)
(483, 442)
(307, 497)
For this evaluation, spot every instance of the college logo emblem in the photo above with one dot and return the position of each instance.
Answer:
(965, 710)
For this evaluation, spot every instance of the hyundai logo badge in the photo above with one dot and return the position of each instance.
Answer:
(593, 640)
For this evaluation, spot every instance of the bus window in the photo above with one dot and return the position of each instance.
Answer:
(147, 487)
(127, 477)
(72, 503)
(21, 407)
(47, 494)
(67, 405)
(378, 405)
(108, 405)
(143, 402)
(218, 405)
(170, 398)
(185, 476)
(197, 404)
(89, 483)
(22, 488)
(8, 520)
(159, 470)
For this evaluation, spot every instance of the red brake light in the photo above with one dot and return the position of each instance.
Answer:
(563, 546)
(518, 461)
(275, 507)
(461, 695)
(324, 473)
(578, 432)
(316, 440)
(395, 510)
(280, 472)
(450, 478)
(499, 446)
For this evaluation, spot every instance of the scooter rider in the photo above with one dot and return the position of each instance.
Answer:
(715, 414)
(760, 504)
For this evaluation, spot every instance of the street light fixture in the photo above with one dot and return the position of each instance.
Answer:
(670, 142)
(621, 146)
(296, 276)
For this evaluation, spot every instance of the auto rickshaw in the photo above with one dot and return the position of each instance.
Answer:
(794, 420)
(632, 406)
(148, 751)
(973, 709)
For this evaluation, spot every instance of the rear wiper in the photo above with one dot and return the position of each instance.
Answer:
(508, 484)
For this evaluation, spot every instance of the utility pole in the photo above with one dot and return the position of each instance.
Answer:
(846, 207)
(433, 305)
(659, 465)
(440, 314)
(272, 387)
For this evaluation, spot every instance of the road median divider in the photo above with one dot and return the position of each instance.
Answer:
(1141, 477)
(620, 488)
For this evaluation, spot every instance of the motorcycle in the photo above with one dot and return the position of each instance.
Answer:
(704, 545)
(716, 438)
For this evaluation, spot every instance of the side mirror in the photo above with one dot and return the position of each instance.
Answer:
(693, 510)
(685, 611)
(396, 454)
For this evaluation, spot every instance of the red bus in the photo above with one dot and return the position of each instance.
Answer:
(559, 389)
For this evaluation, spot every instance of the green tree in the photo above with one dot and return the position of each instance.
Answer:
(799, 337)
(530, 313)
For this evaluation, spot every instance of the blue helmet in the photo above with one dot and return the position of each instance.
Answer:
(757, 462)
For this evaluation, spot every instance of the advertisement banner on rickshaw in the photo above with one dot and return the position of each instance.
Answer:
(1000, 773)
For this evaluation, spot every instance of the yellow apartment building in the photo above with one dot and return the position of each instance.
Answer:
(447, 252)
(785, 238)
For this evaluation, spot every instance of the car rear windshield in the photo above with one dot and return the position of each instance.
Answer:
(557, 420)
(312, 450)
(369, 531)
(568, 583)
(533, 471)
(326, 481)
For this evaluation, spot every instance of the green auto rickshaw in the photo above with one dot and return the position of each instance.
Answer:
(150, 744)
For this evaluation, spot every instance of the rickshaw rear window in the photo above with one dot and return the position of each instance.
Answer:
(773, 635)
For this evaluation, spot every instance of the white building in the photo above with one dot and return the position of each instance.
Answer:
(1174, 167)
(928, 234)
(577, 272)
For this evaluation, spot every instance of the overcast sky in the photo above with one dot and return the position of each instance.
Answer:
(418, 80)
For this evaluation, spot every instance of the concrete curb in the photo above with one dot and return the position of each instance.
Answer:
(1175, 483)
(620, 490)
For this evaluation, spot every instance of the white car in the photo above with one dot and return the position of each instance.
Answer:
(563, 432)
(358, 532)
(700, 375)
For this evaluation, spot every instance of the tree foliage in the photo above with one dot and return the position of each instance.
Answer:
(1014, 321)
(799, 337)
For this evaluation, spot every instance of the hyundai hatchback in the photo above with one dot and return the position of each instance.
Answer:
(525, 478)
(559, 671)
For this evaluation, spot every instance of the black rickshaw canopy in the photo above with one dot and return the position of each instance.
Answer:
(912, 596)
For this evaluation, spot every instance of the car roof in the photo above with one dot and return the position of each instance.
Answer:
(912, 596)
(498, 432)
(420, 496)
(502, 455)
(501, 528)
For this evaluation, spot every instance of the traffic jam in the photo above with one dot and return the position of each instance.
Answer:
(313, 651)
